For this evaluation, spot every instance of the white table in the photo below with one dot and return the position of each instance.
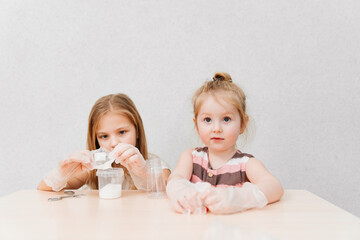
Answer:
(300, 214)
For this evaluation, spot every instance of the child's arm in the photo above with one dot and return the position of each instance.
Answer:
(262, 189)
(43, 186)
(73, 183)
(72, 172)
(130, 157)
(184, 166)
(264, 180)
(182, 193)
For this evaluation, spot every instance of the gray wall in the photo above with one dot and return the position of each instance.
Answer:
(297, 61)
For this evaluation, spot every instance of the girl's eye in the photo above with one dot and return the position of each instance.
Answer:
(227, 119)
(122, 132)
(207, 119)
(103, 136)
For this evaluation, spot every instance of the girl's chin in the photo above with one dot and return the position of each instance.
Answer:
(218, 148)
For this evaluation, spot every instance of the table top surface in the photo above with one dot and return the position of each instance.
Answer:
(28, 214)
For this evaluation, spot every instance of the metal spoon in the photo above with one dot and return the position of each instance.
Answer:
(64, 196)
(69, 192)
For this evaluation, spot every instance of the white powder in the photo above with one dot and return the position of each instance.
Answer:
(110, 191)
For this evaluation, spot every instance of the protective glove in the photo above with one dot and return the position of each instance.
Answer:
(184, 196)
(73, 165)
(130, 157)
(233, 199)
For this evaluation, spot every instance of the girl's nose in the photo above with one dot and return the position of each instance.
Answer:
(217, 127)
(114, 141)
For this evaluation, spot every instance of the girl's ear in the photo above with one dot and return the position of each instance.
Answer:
(196, 125)
(244, 124)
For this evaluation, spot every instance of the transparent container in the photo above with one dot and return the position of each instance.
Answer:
(102, 159)
(110, 182)
(155, 181)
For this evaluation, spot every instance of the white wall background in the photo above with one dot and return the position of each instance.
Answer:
(297, 61)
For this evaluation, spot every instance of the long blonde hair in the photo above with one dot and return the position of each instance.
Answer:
(122, 104)
(222, 82)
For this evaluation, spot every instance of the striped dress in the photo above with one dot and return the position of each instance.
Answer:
(233, 173)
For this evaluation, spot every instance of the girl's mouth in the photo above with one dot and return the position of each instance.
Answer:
(217, 139)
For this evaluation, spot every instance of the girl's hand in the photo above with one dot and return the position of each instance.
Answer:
(188, 202)
(217, 200)
(233, 199)
(184, 196)
(130, 157)
(74, 164)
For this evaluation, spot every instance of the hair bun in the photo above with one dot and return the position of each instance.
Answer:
(222, 76)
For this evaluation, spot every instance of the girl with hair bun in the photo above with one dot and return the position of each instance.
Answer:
(218, 177)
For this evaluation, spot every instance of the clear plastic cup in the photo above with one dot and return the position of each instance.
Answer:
(110, 182)
(155, 182)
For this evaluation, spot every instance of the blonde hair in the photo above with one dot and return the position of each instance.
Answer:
(222, 82)
(122, 104)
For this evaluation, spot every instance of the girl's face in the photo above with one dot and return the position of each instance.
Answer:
(218, 124)
(115, 128)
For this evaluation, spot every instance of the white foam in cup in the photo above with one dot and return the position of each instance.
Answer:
(110, 182)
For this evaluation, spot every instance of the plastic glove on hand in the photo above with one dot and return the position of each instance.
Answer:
(233, 199)
(184, 197)
(130, 157)
(74, 164)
